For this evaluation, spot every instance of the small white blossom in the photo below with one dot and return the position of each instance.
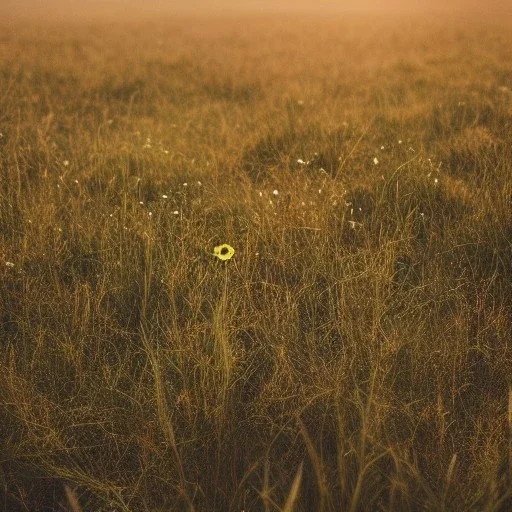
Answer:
(275, 192)
(176, 212)
(164, 196)
(9, 264)
(65, 163)
(375, 161)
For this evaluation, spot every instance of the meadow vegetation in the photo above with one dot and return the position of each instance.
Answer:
(354, 354)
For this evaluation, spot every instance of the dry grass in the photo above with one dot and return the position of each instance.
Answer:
(353, 355)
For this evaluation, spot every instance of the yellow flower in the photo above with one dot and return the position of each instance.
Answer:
(224, 252)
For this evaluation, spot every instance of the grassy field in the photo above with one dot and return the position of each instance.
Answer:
(354, 354)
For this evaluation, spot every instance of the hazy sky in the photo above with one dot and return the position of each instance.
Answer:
(84, 9)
